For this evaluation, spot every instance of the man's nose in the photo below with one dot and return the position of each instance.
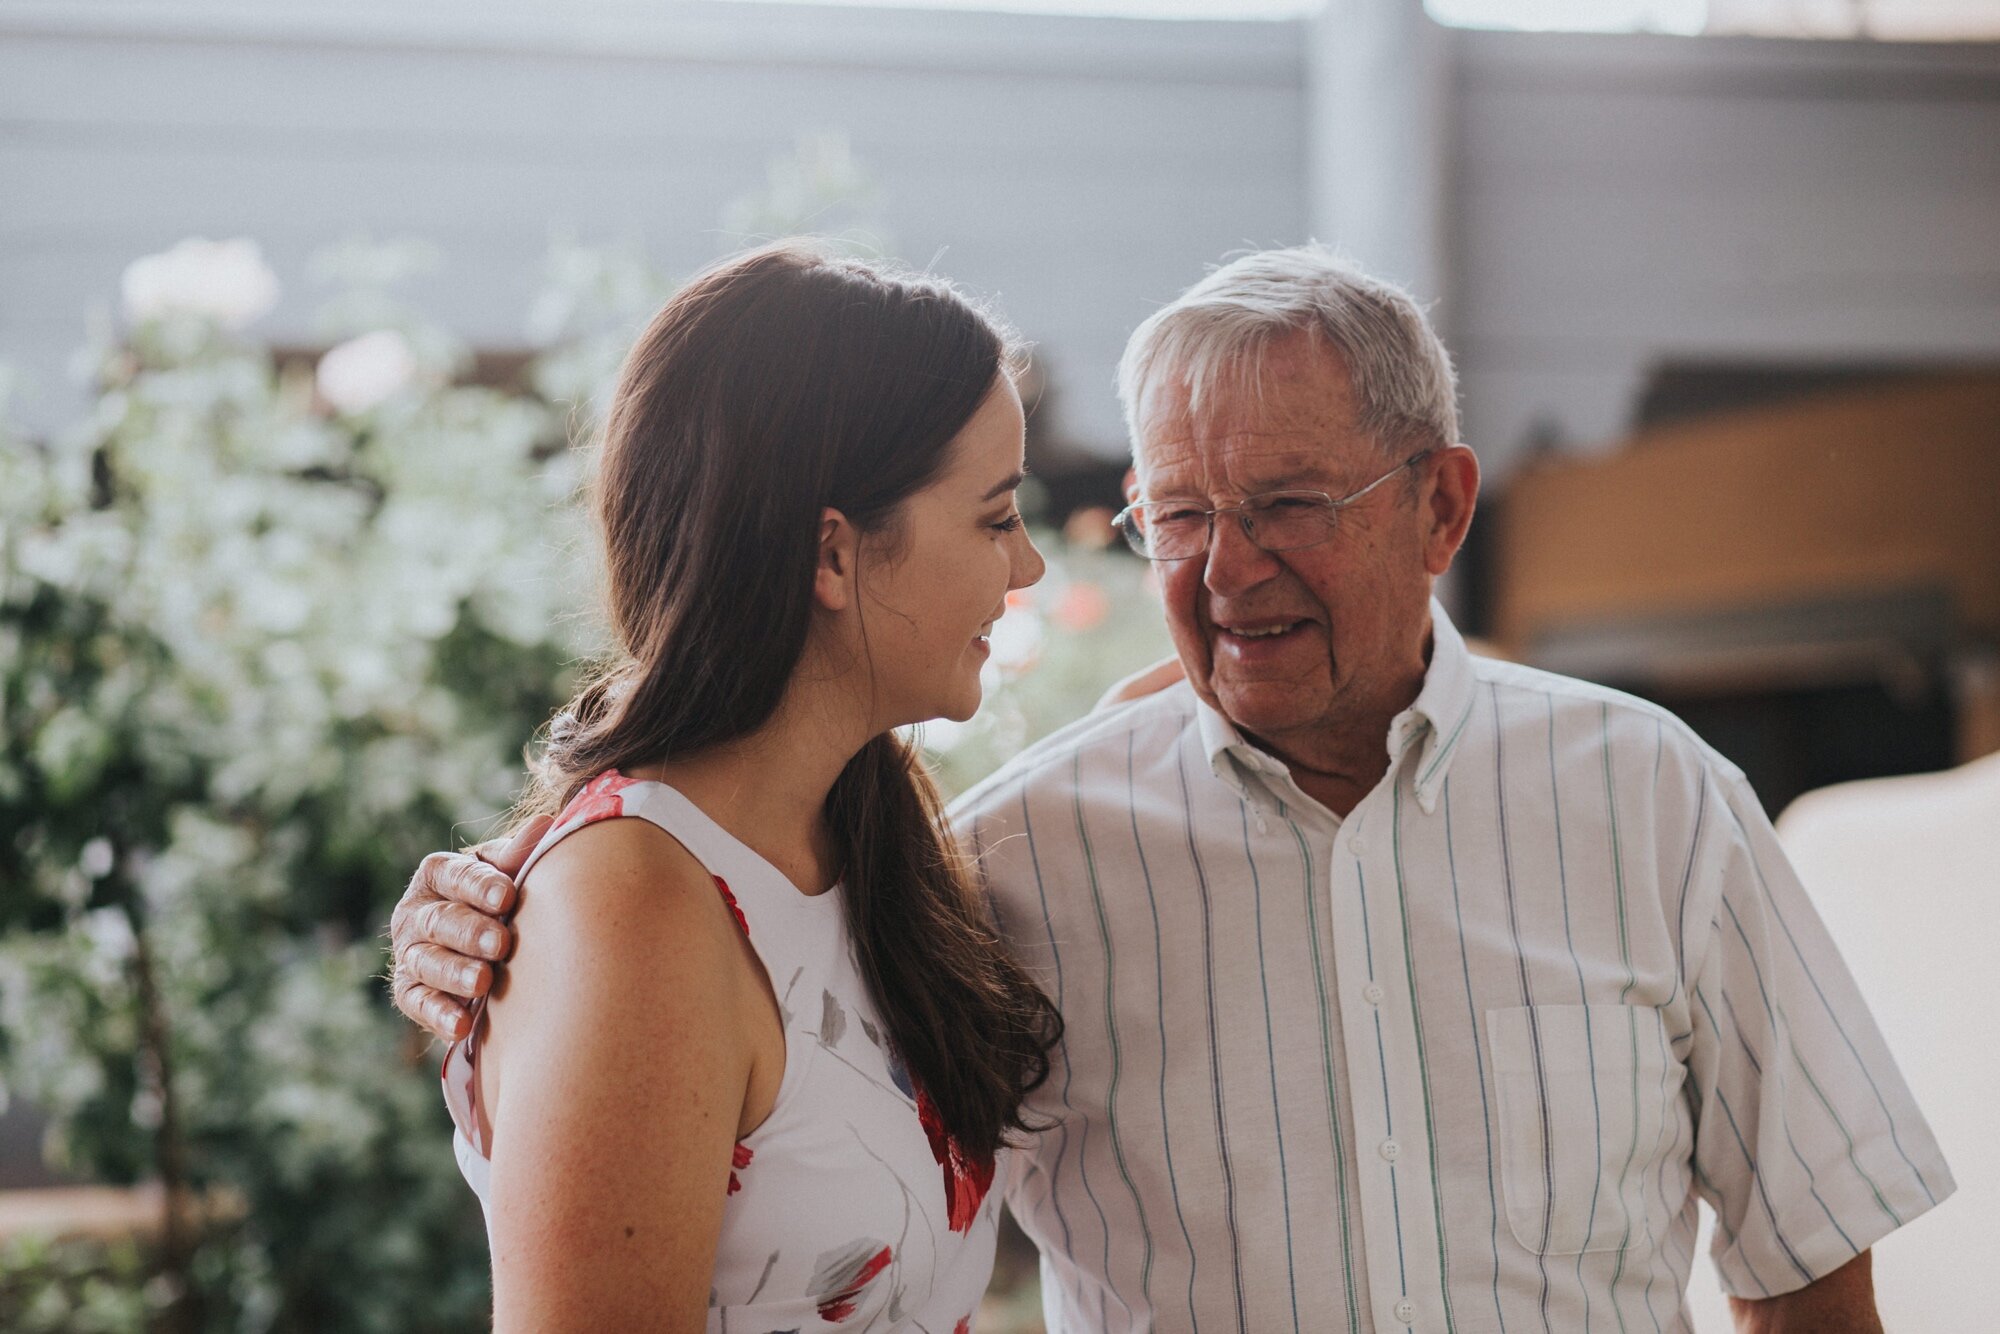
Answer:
(1235, 563)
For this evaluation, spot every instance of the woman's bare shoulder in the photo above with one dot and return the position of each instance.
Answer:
(615, 1074)
(616, 856)
(618, 898)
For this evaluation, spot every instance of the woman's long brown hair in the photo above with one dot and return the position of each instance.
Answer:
(774, 385)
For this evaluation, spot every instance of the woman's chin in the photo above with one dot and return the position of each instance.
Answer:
(951, 711)
(963, 703)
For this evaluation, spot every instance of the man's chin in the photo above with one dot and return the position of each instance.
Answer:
(1265, 708)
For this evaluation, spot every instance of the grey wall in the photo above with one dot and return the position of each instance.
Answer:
(1605, 202)
(1613, 201)
(1079, 171)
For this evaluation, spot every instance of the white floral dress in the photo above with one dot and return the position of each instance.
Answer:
(849, 1208)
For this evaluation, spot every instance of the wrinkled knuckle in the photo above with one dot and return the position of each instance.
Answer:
(441, 927)
(462, 933)
(475, 881)
(453, 974)
(402, 924)
(420, 920)
(406, 907)
(444, 1016)
(417, 963)
(465, 873)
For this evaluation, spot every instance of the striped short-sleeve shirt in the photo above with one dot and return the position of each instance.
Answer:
(1464, 1061)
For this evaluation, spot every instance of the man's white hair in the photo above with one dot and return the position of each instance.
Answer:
(1213, 337)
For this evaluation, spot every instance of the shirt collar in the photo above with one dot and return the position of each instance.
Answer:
(1437, 719)
(1441, 711)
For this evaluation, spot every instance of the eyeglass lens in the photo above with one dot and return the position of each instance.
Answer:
(1277, 522)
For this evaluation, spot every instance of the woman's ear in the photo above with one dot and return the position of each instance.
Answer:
(833, 578)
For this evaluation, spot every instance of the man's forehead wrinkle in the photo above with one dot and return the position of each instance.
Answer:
(1305, 423)
(1313, 413)
(1247, 464)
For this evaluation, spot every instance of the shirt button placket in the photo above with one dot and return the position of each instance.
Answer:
(1363, 944)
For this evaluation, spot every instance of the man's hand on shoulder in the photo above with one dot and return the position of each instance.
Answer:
(449, 930)
(1147, 681)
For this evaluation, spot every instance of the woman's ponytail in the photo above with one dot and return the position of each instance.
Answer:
(973, 1030)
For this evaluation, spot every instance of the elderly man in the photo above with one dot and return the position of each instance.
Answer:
(1405, 989)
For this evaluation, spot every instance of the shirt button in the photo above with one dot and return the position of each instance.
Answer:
(1406, 1310)
(1390, 1151)
(1373, 993)
(1357, 845)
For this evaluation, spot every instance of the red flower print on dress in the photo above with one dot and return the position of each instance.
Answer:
(842, 1274)
(730, 899)
(964, 1325)
(738, 1160)
(599, 799)
(966, 1180)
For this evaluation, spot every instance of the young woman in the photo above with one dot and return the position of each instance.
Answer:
(806, 496)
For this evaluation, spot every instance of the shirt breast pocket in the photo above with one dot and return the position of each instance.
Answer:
(1587, 1098)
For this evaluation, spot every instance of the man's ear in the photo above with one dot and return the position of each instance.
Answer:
(839, 547)
(1131, 486)
(1454, 494)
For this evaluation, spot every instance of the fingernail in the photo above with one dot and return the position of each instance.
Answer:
(489, 942)
(495, 897)
(468, 978)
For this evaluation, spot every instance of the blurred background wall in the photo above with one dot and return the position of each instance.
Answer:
(1582, 207)
(1618, 204)
(1075, 170)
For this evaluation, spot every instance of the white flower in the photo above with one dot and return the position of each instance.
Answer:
(97, 858)
(1016, 639)
(109, 932)
(362, 373)
(225, 281)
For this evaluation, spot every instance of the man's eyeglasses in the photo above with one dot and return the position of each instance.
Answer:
(1275, 520)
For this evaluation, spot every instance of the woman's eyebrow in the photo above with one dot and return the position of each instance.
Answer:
(1008, 483)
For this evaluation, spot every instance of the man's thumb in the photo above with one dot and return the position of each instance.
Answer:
(507, 857)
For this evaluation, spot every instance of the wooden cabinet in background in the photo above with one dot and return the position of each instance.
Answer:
(1850, 537)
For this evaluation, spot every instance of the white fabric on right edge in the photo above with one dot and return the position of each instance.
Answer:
(1906, 873)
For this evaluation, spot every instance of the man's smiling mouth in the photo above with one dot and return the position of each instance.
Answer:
(1267, 628)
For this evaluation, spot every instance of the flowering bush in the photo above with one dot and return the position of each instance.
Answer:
(269, 632)
(267, 637)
